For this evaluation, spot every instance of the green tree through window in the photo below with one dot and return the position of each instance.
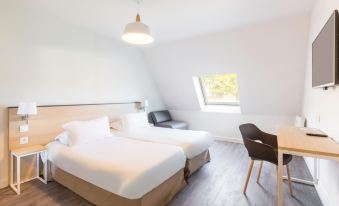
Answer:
(220, 89)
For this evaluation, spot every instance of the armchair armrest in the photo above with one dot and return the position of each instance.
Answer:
(261, 151)
(270, 139)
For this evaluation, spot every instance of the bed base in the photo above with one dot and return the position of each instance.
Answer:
(159, 196)
(195, 163)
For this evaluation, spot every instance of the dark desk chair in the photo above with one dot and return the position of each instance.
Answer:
(263, 147)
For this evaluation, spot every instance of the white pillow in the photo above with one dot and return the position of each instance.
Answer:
(85, 131)
(117, 125)
(131, 121)
(62, 138)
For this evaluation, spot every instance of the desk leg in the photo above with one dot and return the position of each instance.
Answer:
(316, 170)
(45, 172)
(18, 178)
(37, 165)
(12, 171)
(280, 179)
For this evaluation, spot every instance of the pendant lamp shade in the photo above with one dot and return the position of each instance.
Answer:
(137, 33)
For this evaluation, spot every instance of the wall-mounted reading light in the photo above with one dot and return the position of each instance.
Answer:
(26, 109)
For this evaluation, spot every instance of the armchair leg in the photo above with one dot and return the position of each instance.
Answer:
(289, 179)
(260, 167)
(248, 176)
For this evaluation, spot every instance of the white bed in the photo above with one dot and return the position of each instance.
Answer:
(119, 165)
(192, 142)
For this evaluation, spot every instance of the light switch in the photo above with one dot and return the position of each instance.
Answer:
(23, 140)
(24, 128)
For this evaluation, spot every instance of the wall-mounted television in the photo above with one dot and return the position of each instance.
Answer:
(325, 55)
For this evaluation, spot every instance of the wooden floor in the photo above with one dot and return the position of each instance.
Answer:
(218, 183)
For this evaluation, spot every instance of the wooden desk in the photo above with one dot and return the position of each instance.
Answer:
(294, 141)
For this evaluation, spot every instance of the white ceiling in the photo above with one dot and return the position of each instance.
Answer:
(168, 19)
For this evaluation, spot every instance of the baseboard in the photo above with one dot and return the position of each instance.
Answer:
(324, 197)
(3, 183)
(229, 139)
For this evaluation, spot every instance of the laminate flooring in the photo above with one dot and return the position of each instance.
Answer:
(218, 183)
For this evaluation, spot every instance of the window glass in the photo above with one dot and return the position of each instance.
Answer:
(220, 89)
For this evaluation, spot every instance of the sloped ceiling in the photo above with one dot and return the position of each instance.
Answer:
(168, 19)
(269, 59)
(264, 41)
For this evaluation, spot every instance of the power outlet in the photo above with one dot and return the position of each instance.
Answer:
(23, 140)
(23, 128)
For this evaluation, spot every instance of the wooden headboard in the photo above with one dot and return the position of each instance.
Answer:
(44, 126)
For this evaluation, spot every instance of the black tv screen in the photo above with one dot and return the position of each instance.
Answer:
(325, 55)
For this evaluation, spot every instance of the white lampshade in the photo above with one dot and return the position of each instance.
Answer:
(27, 108)
(137, 33)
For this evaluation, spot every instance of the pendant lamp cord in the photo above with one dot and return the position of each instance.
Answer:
(139, 2)
(138, 13)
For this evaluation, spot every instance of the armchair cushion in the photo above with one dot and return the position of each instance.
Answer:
(173, 125)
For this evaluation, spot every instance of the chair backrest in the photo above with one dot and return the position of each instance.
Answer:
(160, 116)
(250, 131)
(257, 149)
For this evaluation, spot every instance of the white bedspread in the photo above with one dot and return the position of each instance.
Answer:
(192, 142)
(122, 166)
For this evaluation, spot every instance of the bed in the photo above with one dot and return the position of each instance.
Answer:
(195, 144)
(119, 171)
(150, 184)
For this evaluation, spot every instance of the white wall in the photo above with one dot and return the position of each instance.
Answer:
(52, 62)
(323, 104)
(225, 126)
(268, 57)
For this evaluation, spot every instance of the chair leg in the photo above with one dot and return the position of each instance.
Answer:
(260, 167)
(289, 179)
(248, 176)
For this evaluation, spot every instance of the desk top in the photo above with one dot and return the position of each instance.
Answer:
(28, 150)
(295, 139)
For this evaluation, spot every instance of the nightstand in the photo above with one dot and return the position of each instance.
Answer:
(23, 152)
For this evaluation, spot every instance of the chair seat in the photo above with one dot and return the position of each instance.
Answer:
(173, 125)
(286, 159)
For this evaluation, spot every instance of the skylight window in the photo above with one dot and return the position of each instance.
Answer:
(221, 89)
(218, 92)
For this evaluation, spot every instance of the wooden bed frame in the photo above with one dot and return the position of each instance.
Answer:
(46, 125)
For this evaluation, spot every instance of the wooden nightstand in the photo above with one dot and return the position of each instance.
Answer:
(23, 152)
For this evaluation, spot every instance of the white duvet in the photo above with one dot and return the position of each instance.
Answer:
(192, 142)
(122, 166)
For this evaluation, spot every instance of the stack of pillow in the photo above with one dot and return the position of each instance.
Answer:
(79, 132)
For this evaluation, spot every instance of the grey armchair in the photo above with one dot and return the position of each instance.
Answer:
(164, 119)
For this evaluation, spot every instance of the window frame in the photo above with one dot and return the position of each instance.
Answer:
(202, 88)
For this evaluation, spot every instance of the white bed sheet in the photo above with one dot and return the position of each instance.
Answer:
(122, 166)
(192, 142)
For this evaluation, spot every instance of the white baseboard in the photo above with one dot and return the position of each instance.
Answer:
(229, 139)
(3, 183)
(324, 197)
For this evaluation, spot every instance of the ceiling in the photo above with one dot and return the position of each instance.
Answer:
(169, 19)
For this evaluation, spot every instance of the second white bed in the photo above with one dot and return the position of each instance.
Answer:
(192, 142)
